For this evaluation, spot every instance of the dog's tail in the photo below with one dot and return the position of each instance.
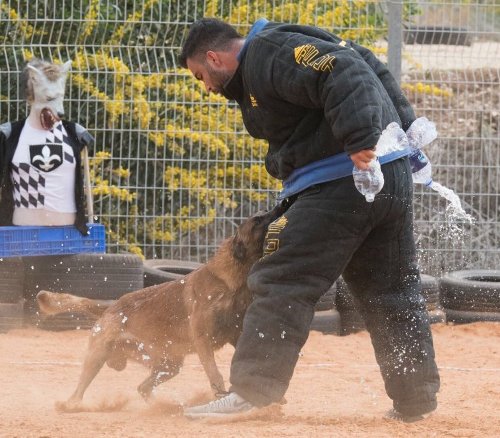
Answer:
(52, 303)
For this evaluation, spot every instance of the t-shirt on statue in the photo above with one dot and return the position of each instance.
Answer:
(43, 173)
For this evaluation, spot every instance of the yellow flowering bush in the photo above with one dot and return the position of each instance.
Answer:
(169, 160)
(113, 198)
(427, 89)
(359, 20)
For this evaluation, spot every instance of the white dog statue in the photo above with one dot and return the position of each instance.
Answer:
(41, 178)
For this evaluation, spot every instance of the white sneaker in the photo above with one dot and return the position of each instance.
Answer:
(231, 404)
(392, 414)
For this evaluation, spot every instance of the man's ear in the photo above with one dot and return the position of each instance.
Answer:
(213, 58)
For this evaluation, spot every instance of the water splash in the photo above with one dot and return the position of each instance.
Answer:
(453, 230)
(454, 209)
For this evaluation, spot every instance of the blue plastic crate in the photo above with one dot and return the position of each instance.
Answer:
(31, 241)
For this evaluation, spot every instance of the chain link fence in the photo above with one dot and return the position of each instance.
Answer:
(173, 170)
(451, 73)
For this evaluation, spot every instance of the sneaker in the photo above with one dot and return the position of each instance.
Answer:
(231, 404)
(392, 414)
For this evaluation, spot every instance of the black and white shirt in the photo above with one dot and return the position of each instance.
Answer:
(43, 170)
(10, 134)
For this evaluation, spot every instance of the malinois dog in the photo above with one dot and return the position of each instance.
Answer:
(159, 325)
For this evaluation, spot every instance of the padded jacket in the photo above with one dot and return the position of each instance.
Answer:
(312, 95)
(9, 138)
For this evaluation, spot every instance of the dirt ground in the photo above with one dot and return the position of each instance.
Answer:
(336, 391)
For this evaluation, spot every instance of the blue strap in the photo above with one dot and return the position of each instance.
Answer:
(256, 28)
(329, 169)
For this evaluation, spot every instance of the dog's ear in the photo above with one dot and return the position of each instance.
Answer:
(66, 67)
(239, 249)
(34, 73)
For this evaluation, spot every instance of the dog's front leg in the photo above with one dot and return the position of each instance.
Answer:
(203, 346)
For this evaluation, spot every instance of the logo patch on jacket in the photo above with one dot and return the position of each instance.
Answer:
(46, 157)
(272, 241)
(306, 55)
(253, 101)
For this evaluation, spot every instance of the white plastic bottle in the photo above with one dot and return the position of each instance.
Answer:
(420, 167)
(421, 132)
(369, 182)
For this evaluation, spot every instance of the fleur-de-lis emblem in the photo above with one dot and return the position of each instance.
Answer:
(46, 161)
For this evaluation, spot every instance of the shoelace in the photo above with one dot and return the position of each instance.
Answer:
(227, 401)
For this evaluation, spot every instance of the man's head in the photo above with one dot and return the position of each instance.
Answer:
(210, 52)
(43, 84)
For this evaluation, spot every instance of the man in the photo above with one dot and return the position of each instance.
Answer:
(321, 103)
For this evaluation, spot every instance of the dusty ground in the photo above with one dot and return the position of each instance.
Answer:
(336, 391)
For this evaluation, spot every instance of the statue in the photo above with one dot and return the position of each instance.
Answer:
(41, 177)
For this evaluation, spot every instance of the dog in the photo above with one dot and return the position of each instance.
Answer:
(43, 84)
(159, 325)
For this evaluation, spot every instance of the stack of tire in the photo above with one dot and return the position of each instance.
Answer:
(471, 295)
(11, 293)
(432, 296)
(326, 316)
(100, 276)
(352, 321)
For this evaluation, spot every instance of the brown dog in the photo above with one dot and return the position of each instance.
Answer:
(159, 325)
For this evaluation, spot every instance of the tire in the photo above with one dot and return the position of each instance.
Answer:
(11, 316)
(467, 316)
(327, 322)
(471, 290)
(430, 292)
(95, 276)
(157, 271)
(153, 276)
(181, 267)
(65, 321)
(327, 300)
(11, 279)
(437, 316)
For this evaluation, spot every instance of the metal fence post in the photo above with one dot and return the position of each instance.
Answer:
(395, 37)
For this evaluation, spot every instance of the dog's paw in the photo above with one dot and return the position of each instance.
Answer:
(68, 406)
(219, 390)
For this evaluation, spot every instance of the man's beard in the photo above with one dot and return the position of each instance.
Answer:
(219, 79)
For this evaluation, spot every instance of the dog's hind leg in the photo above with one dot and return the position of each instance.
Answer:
(159, 374)
(100, 345)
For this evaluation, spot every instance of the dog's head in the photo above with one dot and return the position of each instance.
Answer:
(249, 237)
(43, 85)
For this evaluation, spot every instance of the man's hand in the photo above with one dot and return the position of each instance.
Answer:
(363, 158)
